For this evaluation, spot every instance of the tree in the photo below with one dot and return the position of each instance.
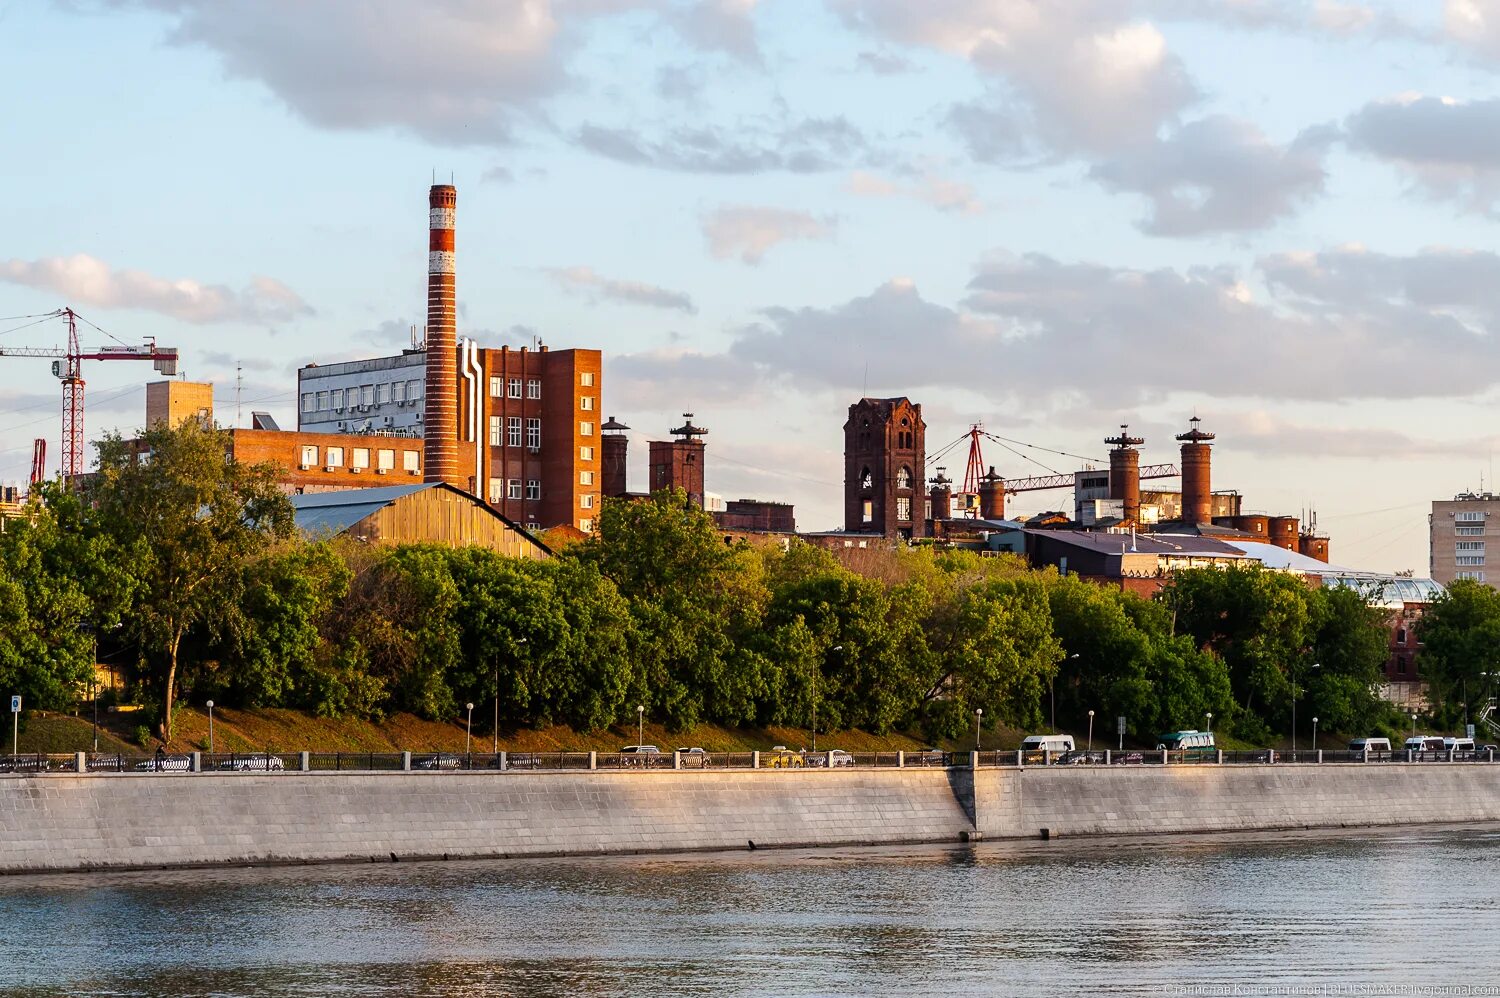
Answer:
(1350, 644)
(1460, 638)
(188, 514)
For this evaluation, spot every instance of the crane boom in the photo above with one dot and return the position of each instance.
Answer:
(70, 370)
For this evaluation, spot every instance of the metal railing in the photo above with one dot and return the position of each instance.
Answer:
(36, 764)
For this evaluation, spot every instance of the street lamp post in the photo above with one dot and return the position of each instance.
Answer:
(519, 641)
(1209, 716)
(210, 730)
(468, 728)
(96, 711)
(1413, 723)
(1091, 731)
(640, 724)
(1315, 733)
(978, 720)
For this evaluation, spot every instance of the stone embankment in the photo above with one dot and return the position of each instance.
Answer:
(135, 820)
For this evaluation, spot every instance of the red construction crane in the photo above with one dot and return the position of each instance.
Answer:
(38, 461)
(69, 368)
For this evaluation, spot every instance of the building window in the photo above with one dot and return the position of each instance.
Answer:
(866, 480)
(1471, 516)
(322, 401)
(903, 509)
(586, 501)
(382, 393)
(1469, 559)
(869, 510)
(585, 429)
(533, 489)
(513, 431)
(385, 460)
(586, 403)
(513, 489)
(1400, 635)
(1469, 546)
(515, 388)
(903, 478)
(534, 434)
(398, 391)
(1476, 576)
(411, 461)
(1401, 665)
(586, 525)
(1469, 531)
(360, 458)
(336, 399)
(533, 388)
(585, 453)
(586, 379)
(497, 490)
(585, 478)
(414, 390)
(335, 456)
(495, 430)
(307, 401)
(309, 456)
(366, 394)
(497, 387)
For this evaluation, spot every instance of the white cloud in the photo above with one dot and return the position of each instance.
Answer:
(939, 192)
(726, 26)
(1218, 175)
(83, 279)
(600, 288)
(1451, 148)
(750, 232)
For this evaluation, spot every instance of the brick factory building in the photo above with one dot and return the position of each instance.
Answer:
(884, 468)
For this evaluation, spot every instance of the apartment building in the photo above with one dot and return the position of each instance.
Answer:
(1458, 531)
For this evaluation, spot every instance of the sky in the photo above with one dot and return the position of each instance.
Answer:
(1049, 218)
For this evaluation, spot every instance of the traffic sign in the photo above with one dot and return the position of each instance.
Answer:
(1469, 731)
(15, 704)
(1120, 725)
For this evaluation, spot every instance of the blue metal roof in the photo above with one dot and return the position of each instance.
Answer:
(337, 511)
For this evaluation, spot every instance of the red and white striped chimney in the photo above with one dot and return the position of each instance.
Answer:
(440, 419)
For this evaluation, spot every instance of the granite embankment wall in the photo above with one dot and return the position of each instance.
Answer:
(58, 822)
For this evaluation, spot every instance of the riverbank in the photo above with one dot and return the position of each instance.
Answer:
(145, 820)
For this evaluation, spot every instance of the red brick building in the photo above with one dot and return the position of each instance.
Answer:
(884, 476)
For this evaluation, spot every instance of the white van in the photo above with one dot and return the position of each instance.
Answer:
(1425, 743)
(1370, 745)
(1035, 747)
(1457, 745)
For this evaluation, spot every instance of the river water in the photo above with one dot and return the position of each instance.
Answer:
(1401, 911)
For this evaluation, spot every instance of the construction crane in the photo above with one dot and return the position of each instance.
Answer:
(69, 369)
(38, 461)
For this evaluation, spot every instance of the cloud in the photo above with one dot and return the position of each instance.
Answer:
(1474, 25)
(1344, 324)
(1451, 148)
(82, 279)
(726, 26)
(682, 379)
(750, 232)
(1262, 432)
(810, 145)
(937, 191)
(1085, 75)
(884, 63)
(597, 288)
(1219, 174)
(456, 72)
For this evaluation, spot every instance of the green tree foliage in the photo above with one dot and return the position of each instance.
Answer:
(186, 517)
(1460, 635)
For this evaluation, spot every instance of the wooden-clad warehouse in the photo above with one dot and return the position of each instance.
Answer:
(422, 512)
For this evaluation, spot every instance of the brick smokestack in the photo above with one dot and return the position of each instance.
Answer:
(616, 451)
(440, 419)
(1125, 473)
(941, 497)
(992, 496)
(1197, 495)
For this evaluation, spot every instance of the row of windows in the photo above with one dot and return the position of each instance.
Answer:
(903, 509)
(1469, 559)
(867, 480)
(533, 388)
(1471, 516)
(359, 457)
(1469, 531)
(1476, 576)
(509, 428)
(503, 489)
(1469, 546)
(339, 399)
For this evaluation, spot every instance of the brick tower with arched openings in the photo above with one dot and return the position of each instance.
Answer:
(884, 472)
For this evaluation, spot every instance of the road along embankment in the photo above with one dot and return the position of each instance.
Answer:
(69, 822)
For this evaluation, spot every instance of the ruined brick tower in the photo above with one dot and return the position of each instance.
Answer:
(884, 469)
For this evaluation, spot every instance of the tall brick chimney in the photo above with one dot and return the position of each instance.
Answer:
(1197, 495)
(941, 497)
(1125, 473)
(440, 399)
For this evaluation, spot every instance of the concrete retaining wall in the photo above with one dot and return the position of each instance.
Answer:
(143, 820)
(1154, 799)
(128, 820)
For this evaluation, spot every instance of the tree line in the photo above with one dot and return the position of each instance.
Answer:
(186, 571)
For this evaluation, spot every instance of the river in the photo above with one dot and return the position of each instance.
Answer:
(1371, 912)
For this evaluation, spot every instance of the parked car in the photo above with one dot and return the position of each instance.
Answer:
(693, 758)
(1377, 747)
(252, 763)
(781, 757)
(834, 758)
(442, 760)
(640, 755)
(1424, 743)
(1038, 748)
(166, 764)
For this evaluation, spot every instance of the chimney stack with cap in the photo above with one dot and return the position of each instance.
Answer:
(440, 399)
